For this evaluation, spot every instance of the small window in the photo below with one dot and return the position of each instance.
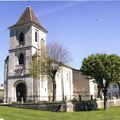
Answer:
(21, 38)
(67, 76)
(58, 75)
(36, 36)
(21, 59)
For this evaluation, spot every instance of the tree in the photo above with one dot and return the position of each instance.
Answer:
(48, 62)
(34, 73)
(104, 68)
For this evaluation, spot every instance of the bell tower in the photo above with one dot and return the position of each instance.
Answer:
(26, 37)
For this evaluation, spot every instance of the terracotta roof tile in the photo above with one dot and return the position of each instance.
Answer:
(28, 16)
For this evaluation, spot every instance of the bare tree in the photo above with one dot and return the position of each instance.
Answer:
(48, 62)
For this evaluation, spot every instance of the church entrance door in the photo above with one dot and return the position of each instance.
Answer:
(21, 92)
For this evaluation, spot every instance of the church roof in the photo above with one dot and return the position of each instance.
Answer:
(28, 16)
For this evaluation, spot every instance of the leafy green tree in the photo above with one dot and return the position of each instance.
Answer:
(104, 68)
(48, 61)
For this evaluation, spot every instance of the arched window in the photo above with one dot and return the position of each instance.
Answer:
(21, 38)
(21, 59)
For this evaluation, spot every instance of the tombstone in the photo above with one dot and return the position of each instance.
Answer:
(69, 107)
(22, 101)
(91, 97)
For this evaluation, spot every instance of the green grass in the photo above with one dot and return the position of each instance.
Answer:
(25, 114)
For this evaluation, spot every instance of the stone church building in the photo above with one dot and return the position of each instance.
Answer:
(26, 37)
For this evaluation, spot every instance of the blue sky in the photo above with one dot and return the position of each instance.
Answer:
(82, 27)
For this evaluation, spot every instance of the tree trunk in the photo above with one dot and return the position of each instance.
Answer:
(119, 88)
(99, 89)
(105, 98)
(34, 90)
(54, 88)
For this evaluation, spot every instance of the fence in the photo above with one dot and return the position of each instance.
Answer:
(80, 102)
(38, 99)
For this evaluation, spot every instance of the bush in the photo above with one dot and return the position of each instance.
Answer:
(74, 100)
(85, 106)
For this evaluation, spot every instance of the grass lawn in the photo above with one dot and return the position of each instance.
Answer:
(25, 114)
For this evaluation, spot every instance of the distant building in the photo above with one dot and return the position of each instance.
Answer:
(113, 90)
(1, 93)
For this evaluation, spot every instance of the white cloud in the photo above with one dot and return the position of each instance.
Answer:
(60, 8)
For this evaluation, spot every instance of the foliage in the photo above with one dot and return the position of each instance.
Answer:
(85, 106)
(48, 61)
(104, 68)
(74, 100)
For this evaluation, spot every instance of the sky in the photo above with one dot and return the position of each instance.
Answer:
(83, 27)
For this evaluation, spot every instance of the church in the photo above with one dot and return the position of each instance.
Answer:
(26, 37)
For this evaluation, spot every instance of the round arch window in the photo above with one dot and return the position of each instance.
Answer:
(21, 38)
(21, 59)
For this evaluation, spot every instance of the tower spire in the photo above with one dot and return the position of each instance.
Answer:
(27, 17)
(28, 2)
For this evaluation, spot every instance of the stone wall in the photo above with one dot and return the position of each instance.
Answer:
(66, 106)
(57, 107)
(1, 95)
(80, 83)
(110, 103)
(54, 107)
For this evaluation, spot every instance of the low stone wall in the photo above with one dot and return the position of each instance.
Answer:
(110, 103)
(55, 107)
